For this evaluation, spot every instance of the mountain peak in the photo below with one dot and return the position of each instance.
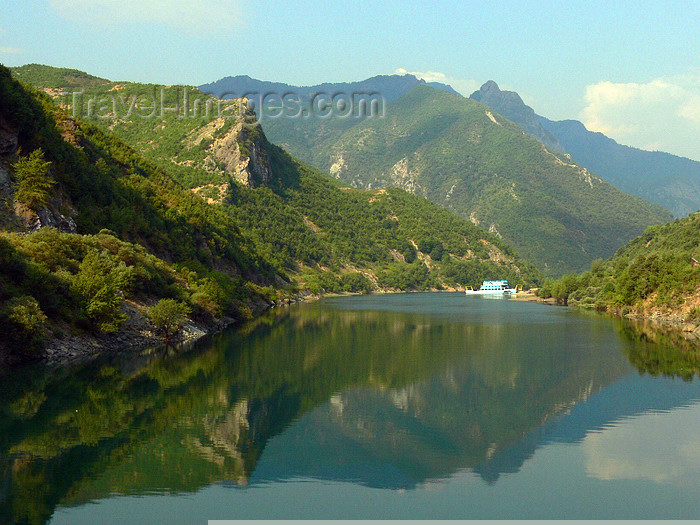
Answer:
(491, 95)
(490, 86)
(510, 105)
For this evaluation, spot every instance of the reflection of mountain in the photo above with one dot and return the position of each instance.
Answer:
(602, 410)
(384, 398)
(463, 416)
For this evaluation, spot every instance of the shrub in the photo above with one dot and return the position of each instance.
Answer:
(168, 316)
(409, 252)
(693, 316)
(23, 323)
(209, 297)
(355, 282)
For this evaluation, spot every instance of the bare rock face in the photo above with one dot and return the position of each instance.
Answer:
(8, 219)
(258, 167)
(8, 139)
(50, 216)
(240, 154)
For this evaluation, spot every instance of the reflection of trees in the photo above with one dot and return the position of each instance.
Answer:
(659, 350)
(425, 395)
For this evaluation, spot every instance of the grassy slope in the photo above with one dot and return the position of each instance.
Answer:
(447, 149)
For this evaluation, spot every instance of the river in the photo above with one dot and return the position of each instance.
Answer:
(423, 405)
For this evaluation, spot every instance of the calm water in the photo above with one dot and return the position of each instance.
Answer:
(396, 406)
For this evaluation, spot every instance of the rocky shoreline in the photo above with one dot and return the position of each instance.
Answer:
(665, 321)
(676, 323)
(128, 337)
(135, 334)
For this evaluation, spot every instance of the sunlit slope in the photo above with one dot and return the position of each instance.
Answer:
(315, 230)
(467, 158)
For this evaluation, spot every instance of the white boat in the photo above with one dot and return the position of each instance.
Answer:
(492, 288)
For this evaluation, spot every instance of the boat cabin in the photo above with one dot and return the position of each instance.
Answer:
(495, 286)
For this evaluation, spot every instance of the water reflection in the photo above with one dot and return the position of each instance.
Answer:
(648, 447)
(659, 350)
(384, 391)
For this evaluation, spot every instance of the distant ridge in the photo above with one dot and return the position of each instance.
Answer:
(391, 87)
(668, 180)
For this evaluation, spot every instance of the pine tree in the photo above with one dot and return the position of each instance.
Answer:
(33, 179)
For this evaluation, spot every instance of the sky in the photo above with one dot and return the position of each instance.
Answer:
(628, 69)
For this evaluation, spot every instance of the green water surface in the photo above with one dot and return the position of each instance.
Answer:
(427, 405)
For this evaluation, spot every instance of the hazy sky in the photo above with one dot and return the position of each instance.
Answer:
(628, 69)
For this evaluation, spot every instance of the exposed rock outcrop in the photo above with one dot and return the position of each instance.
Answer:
(8, 138)
(239, 154)
(48, 216)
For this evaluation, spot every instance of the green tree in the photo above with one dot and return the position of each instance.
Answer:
(168, 316)
(100, 282)
(33, 179)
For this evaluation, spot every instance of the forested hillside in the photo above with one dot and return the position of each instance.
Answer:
(467, 158)
(656, 273)
(300, 218)
(129, 233)
(207, 213)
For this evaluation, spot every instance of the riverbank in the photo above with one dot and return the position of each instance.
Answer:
(663, 319)
(671, 321)
(136, 334)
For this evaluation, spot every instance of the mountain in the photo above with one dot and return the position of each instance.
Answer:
(510, 105)
(390, 87)
(300, 136)
(669, 181)
(460, 154)
(204, 210)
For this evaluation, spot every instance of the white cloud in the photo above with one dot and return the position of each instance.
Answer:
(193, 16)
(648, 447)
(691, 109)
(662, 114)
(8, 50)
(464, 86)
